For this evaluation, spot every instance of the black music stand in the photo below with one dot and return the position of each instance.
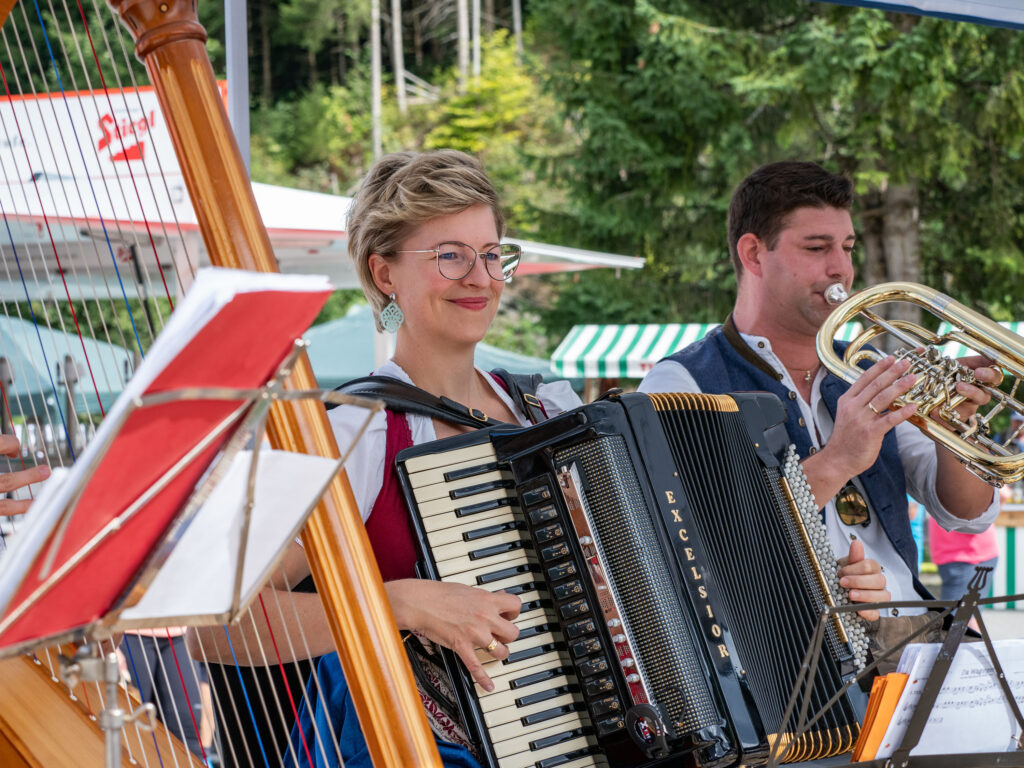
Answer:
(96, 548)
(961, 612)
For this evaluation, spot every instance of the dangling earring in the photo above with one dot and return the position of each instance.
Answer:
(392, 316)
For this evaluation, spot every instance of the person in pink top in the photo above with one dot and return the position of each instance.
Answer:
(957, 555)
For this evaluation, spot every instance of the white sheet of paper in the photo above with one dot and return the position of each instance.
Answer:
(970, 714)
(198, 576)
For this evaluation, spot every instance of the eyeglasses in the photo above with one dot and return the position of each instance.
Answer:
(456, 260)
(851, 506)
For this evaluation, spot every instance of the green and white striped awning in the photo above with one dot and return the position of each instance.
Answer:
(630, 351)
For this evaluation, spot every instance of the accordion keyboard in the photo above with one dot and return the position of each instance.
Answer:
(536, 716)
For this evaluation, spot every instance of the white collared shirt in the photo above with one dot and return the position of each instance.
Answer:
(917, 454)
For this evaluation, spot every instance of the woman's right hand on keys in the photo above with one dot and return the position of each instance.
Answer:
(455, 616)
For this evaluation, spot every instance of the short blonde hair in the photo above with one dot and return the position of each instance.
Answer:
(404, 190)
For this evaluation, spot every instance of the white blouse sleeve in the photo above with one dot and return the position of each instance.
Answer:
(558, 397)
(365, 467)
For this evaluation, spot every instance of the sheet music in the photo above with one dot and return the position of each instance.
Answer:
(970, 713)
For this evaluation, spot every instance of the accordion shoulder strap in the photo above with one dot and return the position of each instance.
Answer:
(407, 398)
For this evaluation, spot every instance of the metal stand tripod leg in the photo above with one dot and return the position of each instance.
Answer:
(88, 667)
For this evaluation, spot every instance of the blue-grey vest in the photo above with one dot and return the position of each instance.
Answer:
(718, 369)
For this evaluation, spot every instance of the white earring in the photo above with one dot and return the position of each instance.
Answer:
(392, 316)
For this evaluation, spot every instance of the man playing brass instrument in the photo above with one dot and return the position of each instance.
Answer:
(790, 237)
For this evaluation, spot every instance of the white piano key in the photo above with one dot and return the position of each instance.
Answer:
(480, 452)
(507, 697)
(514, 714)
(530, 758)
(446, 535)
(430, 493)
(461, 550)
(436, 475)
(521, 743)
(485, 565)
(519, 732)
(446, 506)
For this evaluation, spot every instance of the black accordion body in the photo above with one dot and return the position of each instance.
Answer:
(669, 587)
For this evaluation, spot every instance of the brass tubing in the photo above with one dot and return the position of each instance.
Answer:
(171, 43)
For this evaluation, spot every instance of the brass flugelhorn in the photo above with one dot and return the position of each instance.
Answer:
(934, 392)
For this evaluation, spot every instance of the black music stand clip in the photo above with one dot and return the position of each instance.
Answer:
(961, 612)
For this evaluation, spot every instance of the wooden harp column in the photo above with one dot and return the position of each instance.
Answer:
(170, 41)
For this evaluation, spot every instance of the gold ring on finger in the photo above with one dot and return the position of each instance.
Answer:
(492, 645)
(876, 411)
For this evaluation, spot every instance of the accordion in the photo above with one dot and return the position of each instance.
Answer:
(672, 568)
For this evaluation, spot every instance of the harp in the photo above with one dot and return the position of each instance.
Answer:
(61, 224)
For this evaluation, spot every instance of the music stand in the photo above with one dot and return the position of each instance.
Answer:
(104, 549)
(962, 612)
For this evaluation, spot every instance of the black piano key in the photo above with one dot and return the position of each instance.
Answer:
(497, 549)
(529, 653)
(549, 714)
(533, 605)
(553, 762)
(490, 530)
(538, 629)
(483, 506)
(550, 693)
(504, 573)
(464, 472)
(473, 490)
(558, 738)
(529, 586)
(539, 677)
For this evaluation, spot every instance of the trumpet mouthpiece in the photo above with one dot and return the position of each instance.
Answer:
(835, 294)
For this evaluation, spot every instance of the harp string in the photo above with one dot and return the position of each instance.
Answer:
(91, 187)
(77, 144)
(131, 173)
(314, 684)
(93, 319)
(18, 260)
(245, 696)
(287, 686)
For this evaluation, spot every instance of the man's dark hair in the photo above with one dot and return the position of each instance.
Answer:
(763, 200)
